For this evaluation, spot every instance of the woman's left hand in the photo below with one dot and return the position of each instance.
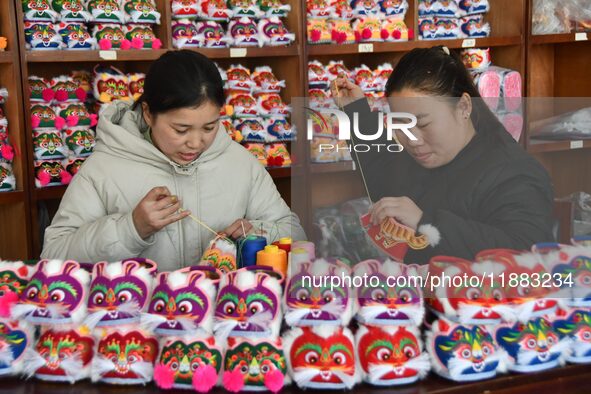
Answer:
(239, 228)
(403, 209)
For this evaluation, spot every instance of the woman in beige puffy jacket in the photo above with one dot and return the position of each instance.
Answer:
(155, 163)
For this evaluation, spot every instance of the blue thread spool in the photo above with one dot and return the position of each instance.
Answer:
(248, 248)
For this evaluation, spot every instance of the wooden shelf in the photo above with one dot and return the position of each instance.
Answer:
(64, 56)
(280, 172)
(237, 53)
(49, 193)
(6, 57)
(404, 46)
(569, 379)
(11, 197)
(539, 146)
(324, 168)
(559, 38)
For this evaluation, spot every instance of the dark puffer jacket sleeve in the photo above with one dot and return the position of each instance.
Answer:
(513, 210)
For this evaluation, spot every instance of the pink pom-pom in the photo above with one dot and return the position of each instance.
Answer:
(66, 177)
(397, 34)
(72, 120)
(60, 123)
(61, 95)
(47, 94)
(233, 381)
(6, 302)
(204, 378)
(23, 271)
(274, 380)
(81, 94)
(357, 36)
(137, 43)
(7, 152)
(315, 35)
(164, 376)
(334, 35)
(384, 34)
(44, 178)
(93, 120)
(156, 44)
(125, 44)
(341, 37)
(411, 34)
(35, 121)
(366, 33)
(105, 44)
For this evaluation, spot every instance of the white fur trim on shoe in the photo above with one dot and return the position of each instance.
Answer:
(431, 232)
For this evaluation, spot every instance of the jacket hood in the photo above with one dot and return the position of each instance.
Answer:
(120, 132)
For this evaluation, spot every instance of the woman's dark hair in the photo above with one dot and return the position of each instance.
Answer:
(439, 72)
(180, 79)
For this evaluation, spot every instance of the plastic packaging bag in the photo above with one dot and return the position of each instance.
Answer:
(581, 213)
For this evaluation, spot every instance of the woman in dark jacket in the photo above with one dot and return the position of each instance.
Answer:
(464, 182)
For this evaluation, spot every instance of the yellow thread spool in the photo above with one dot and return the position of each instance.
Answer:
(274, 257)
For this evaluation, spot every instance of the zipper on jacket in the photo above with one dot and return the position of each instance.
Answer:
(180, 225)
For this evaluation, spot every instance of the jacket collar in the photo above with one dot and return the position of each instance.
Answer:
(120, 132)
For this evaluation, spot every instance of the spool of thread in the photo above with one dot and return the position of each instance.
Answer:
(248, 248)
(307, 246)
(296, 256)
(299, 255)
(273, 257)
(284, 243)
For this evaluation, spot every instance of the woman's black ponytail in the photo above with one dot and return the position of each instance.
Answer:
(439, 72)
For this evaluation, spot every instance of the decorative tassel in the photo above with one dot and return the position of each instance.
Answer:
(315, 35)
(366, 33)
(7, 152)
(61, 95)
(105, 44)
(100, 366)
(35, 121)
(125, 44)
(72, 120)
(81, 94)
(149, 322)
(137, 43)
(384, 34)
(93, 120)
(32, 362)
(204, 378)
(94, 318)
(60, 123)
(44, 179)
(143, 369)
(6, 302)
(156, 44)
(20, 311)
(233, 381)
(66, 177)
(164, 376)
(274, 380)
(73, 368)
(6, 357)
(397, 34)
(48, 94)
